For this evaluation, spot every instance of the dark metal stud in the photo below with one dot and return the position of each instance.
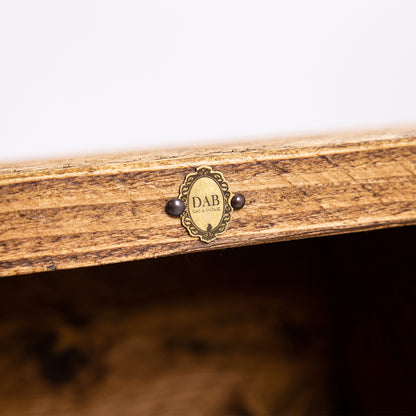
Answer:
(175, 207)
(238, 201)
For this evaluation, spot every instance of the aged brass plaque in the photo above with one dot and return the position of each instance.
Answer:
(207, 198)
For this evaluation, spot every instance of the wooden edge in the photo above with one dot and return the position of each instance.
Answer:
(58, 215)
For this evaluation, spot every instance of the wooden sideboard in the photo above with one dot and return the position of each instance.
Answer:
(234, 327)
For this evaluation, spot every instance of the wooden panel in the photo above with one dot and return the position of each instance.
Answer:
(247, 331)
(242, 338)
(66, 214)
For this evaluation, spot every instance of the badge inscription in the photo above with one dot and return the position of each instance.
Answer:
(207, 197)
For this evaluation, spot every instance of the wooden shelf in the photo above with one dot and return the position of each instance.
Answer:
(90, 211)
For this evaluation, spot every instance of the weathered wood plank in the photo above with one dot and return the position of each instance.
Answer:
(58, 215)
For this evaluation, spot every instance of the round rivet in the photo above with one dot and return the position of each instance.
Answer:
(238, 201)
(175, 207)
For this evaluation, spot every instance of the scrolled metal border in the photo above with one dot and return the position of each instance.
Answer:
(193, 230)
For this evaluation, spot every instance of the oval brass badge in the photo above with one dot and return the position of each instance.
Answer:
(207, 198)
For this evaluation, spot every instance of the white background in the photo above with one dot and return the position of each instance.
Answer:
(82, 77)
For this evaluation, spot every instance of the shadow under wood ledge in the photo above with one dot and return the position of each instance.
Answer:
(319, 326)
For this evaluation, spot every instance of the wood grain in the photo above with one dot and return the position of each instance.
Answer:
(248, 331)
(82, 212)
(109, 340)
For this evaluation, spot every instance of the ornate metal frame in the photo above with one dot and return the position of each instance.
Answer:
(184, 191)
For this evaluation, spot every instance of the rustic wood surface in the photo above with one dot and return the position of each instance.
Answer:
(322, 326)
(170, 337)
(81, 212)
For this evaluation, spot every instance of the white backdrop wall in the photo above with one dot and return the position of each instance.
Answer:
(82, 76)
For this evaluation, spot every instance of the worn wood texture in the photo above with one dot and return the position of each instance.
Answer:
(91, 211)
(102, 341)
(248, 331)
